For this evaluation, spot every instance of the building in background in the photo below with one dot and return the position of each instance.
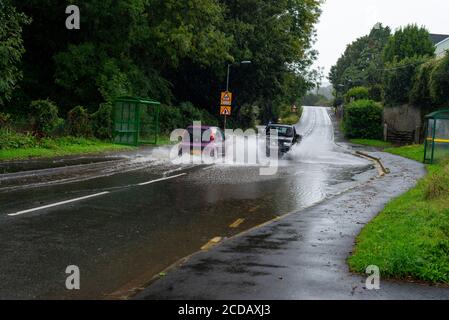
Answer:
(441, 42)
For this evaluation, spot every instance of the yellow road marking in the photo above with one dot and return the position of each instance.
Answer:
(236, 223)
(212, 242)
(254, 208)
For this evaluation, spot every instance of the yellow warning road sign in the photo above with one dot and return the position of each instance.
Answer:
(226, 98)
(225, 110)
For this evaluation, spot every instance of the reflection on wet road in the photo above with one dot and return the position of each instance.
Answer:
(122, 238)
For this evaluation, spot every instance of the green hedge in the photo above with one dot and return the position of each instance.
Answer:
(357, 93)
(363, 120)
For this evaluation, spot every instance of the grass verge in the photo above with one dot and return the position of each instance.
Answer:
(60, 147)
(414, 152)
(372, 143)
(409, 239)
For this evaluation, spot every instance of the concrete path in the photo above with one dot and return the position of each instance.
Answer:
(302, 256)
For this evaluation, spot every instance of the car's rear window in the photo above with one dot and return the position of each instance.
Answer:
(282, 131)
(197, 139)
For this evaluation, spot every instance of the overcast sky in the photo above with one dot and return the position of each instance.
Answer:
(343, 21)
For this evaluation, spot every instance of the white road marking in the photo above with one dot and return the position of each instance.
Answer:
(161, 179)
(87, 197)
(58, 204)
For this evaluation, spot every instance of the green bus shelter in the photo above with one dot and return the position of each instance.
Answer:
(436, 143)
(136, 121)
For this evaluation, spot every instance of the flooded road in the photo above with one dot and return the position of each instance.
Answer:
(142, 221)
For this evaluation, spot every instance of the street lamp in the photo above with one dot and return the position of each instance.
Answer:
(229, 70)
(227, 80)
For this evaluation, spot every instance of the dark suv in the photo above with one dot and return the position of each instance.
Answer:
(286, 139)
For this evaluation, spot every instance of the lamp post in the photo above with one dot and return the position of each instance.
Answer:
(227, 79)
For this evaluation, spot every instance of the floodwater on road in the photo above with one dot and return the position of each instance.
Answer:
(121, 239)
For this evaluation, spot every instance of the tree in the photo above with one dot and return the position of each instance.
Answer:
(11, 48)
(361, 64)
(277, 36)
(420, 92)
(439, 82)
(172, 51)
(408, 42)
(398, 80)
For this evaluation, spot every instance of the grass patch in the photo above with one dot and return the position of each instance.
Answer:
(291, 118)
(60, 147)
(372, 143)
(410, 237)
(414, 152)
(164, 139)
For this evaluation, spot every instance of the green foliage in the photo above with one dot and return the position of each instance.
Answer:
(439, 82)
(408, 42)
(361, 64)
(21, 146)
(420, 91)
(438, 184)
(10, 139)
(363, 119)
(312, 99)
(409, 238)
(5, 120)
(78, 122)
(290, 117)
(357, 93)
(102, 123)
(375, 92)
(172, 117)
(11, 48)
(398, 80)
(43, 116)
(171, 51)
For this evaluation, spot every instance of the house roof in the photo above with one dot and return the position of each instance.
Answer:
(437, 38)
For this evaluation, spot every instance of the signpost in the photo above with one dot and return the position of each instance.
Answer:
(225, 110)
(225, 105)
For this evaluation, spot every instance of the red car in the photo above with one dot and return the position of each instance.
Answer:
(197, 138)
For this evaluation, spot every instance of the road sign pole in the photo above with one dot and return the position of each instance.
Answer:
(227, 90)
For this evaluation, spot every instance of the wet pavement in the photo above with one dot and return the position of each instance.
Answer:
(123, 238)
(301, 256)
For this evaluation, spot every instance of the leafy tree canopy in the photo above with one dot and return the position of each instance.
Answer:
(361, 64)
(11, 48)
(408, 42)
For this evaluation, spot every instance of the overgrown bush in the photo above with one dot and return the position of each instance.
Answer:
(78, 122)
(438, 183)
(5, 120)
(439, 82)
(357, 93)
(420, 91)
(102, 122)
(43, 117)
(363, 119)
(398, 80)
(375, 92)
(10, 139)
